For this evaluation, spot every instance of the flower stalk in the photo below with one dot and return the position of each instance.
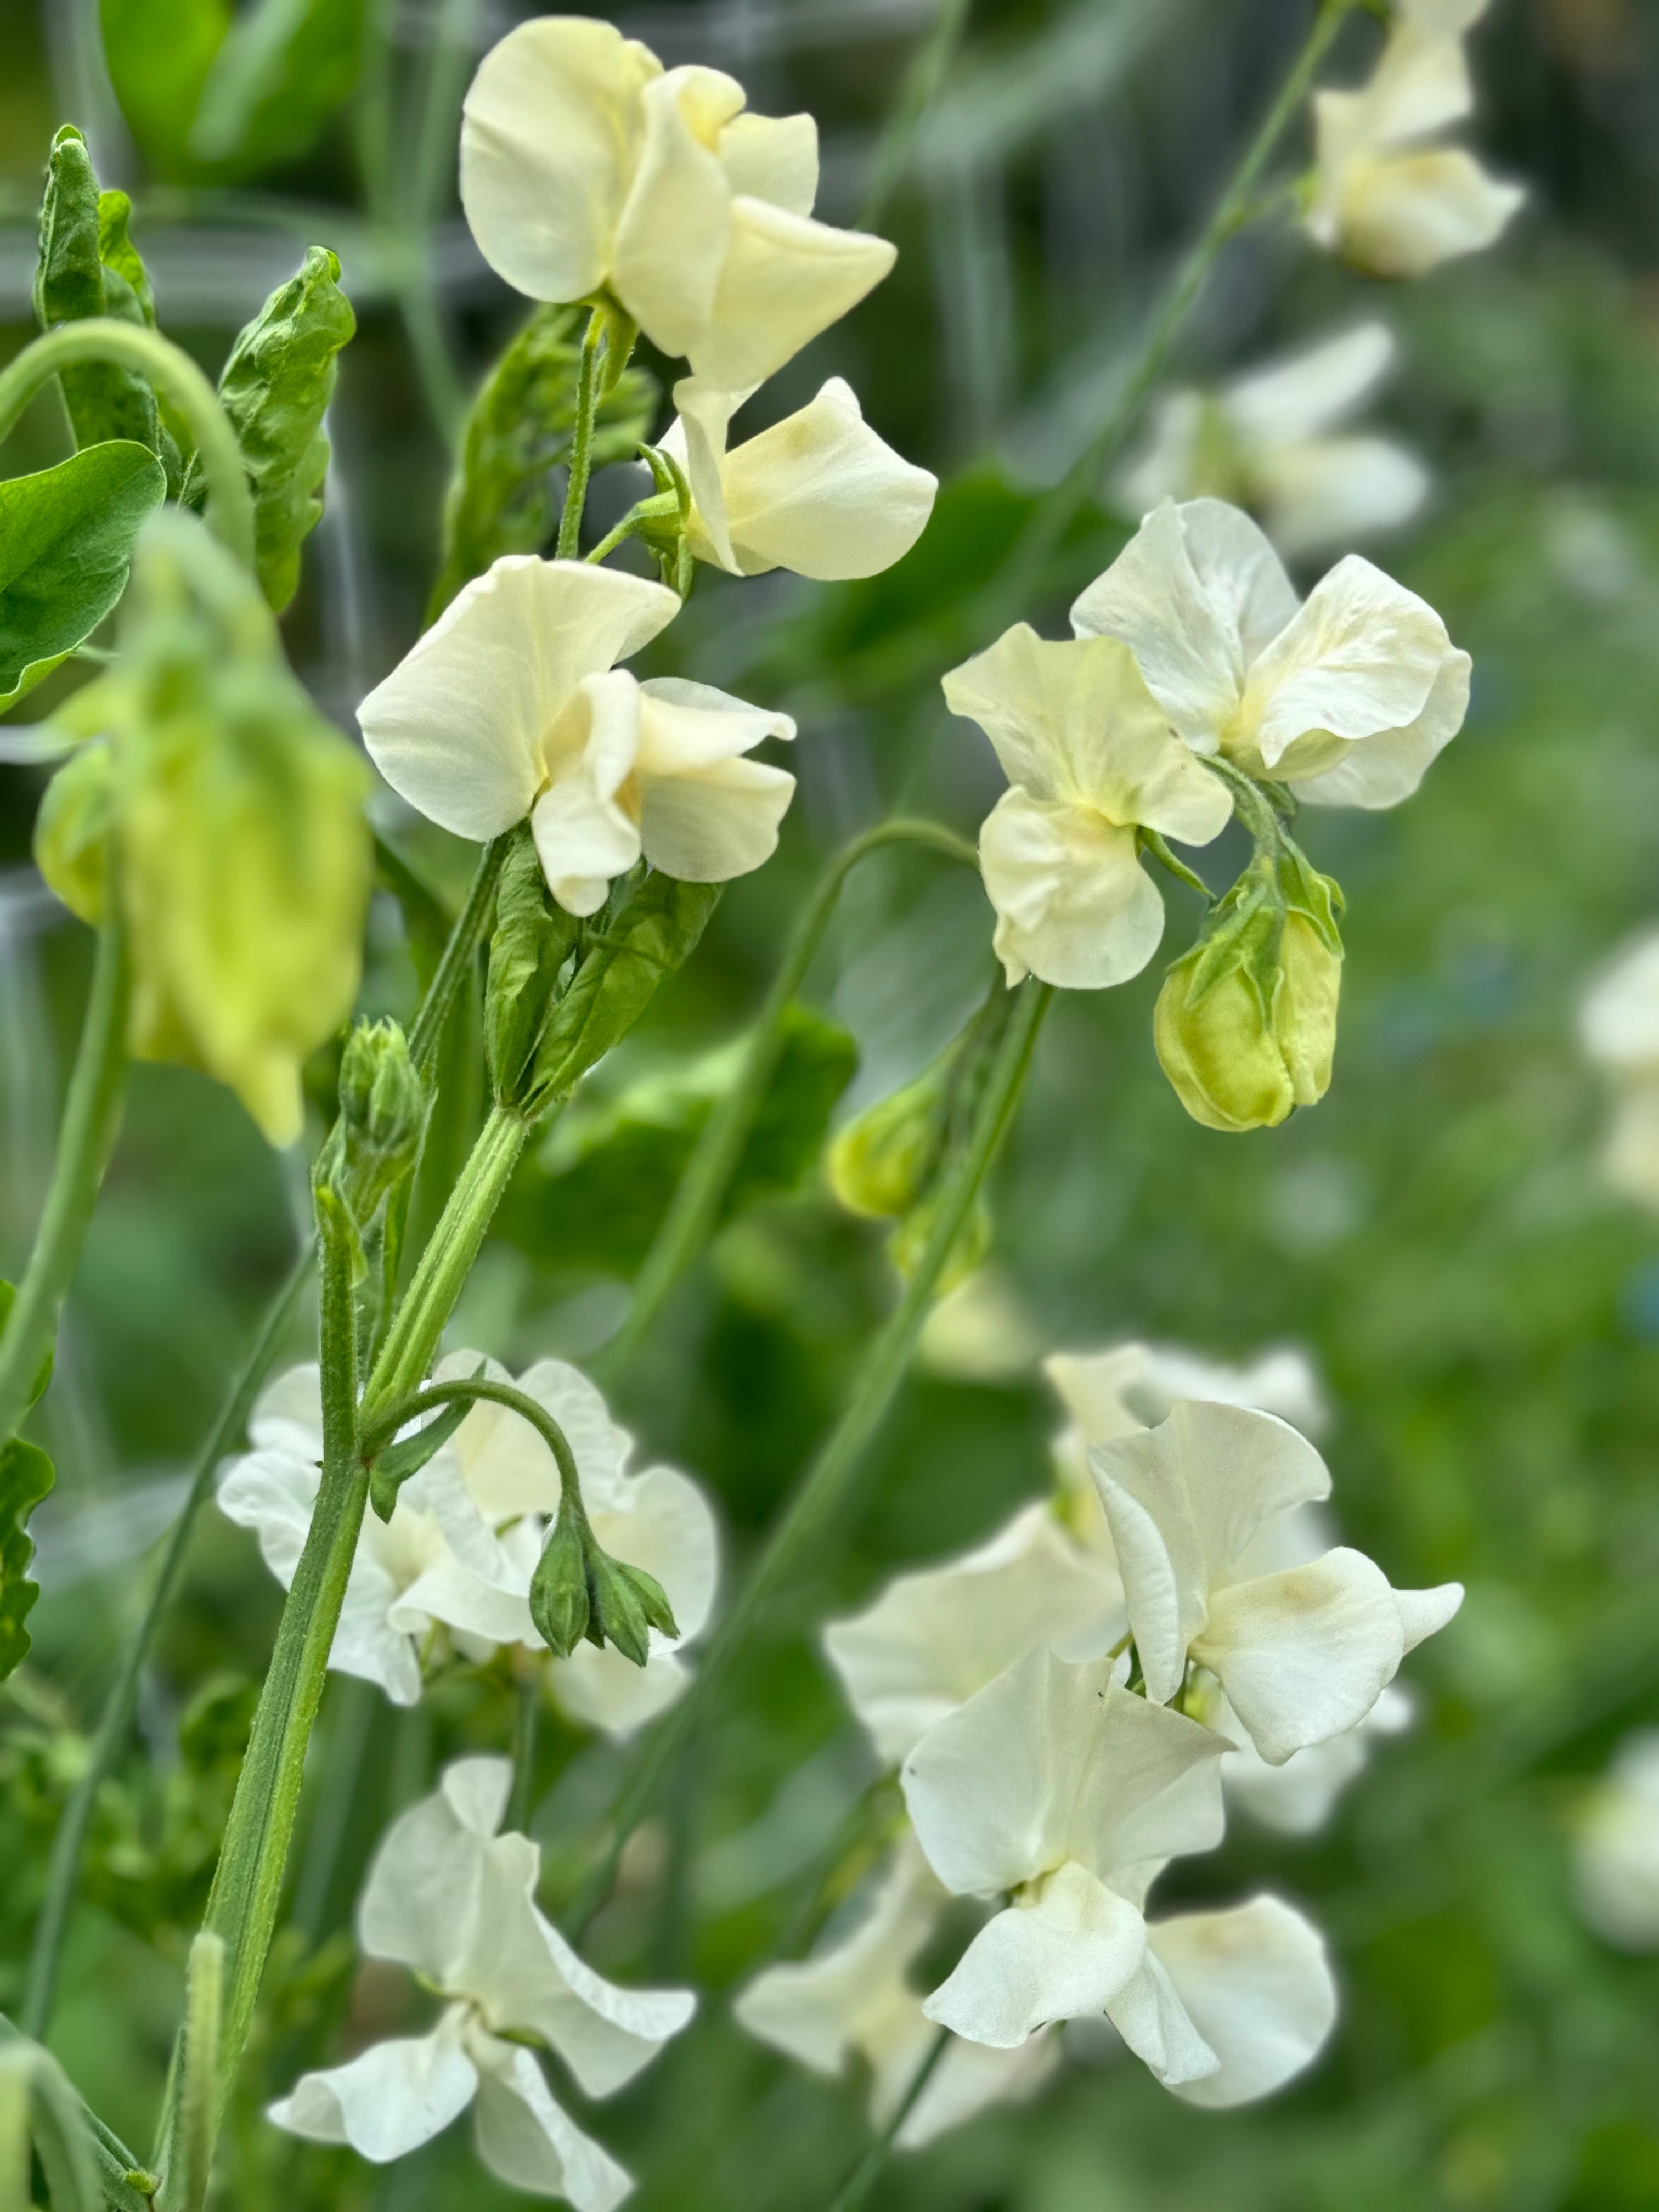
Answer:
(581, 441)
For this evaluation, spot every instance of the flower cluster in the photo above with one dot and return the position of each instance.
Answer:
(1067, 1704)
(454, 1563)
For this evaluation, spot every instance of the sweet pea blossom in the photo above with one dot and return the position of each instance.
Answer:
(1302, 1653)
(1347, 695)
(856, 1998)
(512, 705)
(437, 1558)
(455, 1902)
(1265, 440)
(1386, 195)
(586, 166)
(1090, 759)
(1616, 1854)
(1619, 1026)
(819, 492)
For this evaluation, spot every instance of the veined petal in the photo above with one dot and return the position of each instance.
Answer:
(687, 727)
(459, 728)
(422, 1903)
(821, 494)
(1303, 1655)
(389, 2100)
(550, 133)
(1074, 903)
(784, 279)
(772, 158)
(1149, 2016)
(706, 815)
(1293, 400)
(601, 1689)
(1382, 770)
(1135, 1386)
(527, 2140)
(1327, 490)
(1051, 1762)
(1063, 1957)
(674, 232)
(1257, 1985)
(1401, 215)
(935, 1638)
(1361, 657)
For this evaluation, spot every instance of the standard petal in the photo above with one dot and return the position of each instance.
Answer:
(821, 495)
(1305, 1654)
(772, 158)
(1426, 1612)
(674, 232)
(1382, 770)
(706, 814)
(369, 1642)
(550, 130)
(1051, 1762)
(1149, 2016)
(1258, 1987)
(421, 1901)
(784, 279)
(459, 728)
(933, 1639)
(388, 2101)
(1074, 903)
(527, 2140)
(1064, 1956)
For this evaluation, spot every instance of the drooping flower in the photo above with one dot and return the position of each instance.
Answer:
(455, 1902)
(437, 1559)
(1265, 440)
(1387, 195)
(511, 705)
(1089, 759)
(1347, 695)
(1303, 1653)
(856, 1998)
(1616, 1855)
(819, 492)
(1619, 1026)
(586, 166)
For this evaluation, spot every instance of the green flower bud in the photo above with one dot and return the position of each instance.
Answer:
(1246, 1031)
(626, 1603)
(72, 831)
(967, 1255)
(384, 1104)
(559, 1603)
(881, 1163)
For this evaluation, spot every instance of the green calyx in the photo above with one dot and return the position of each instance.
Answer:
(580, 1591)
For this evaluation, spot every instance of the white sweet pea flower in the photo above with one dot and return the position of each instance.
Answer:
(586, 166)
(1303, 1653)
(1347, 695)
(656, 1518)
(511, 705)
(855, 1998)
(1386, 196)
(1090, 759)
(436, 1560)
(1256, 1984)
(1619, 1026)
(818, 493)
(1265, 440)
(455, 1902)
(1616, 1856)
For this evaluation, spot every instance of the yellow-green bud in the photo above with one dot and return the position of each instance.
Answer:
(1242, 1049)
(881, 1163)
(72, 831)
(967, 1253)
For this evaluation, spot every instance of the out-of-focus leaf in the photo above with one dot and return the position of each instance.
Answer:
(158, 53)
(595, 1193)
(519, 432)
(66, 538)
(43, 1376)
(26, 1477)
(275, 388)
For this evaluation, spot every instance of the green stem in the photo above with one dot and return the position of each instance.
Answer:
(458, 954)
(857, 2187)
(581, 440)
(920, 88)
(524, 1718)
(175, 375)
(831, 1476)
(446, 1263)
(466, 1390)
(1250, 803)
(91, 1115)
(695, 1211)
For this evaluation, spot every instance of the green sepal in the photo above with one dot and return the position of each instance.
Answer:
(393, 1466)
(624, 1605)
(27, 1476)
(276, 386)
(503, 499)
(559, 1603)
(66, 540)
(43, 1373)
(665, 521)
(533, 938)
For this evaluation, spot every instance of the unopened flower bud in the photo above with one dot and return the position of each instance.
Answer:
(626, 1604)
(72, 831)
(881, 1163)
(1245, 1037)
(384, 1104)
(558, 1589)
(967, 1253)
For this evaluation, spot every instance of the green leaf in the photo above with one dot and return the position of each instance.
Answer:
(275, 388)
(398, 1462)
(66, 538)
(502, 499)
(48, 2103)
(120, 257)
(26, 1477)
(74, 278)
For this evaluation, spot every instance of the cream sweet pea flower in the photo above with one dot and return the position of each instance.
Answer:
(1386, 196)
(1616, 1854)
(819, 492)
(455, 1902)
(1265, 440)
(1090, 759)
(1619, 1026)
(436, 1560)
(511, 705)
(586, 166)
(1303, 1653)
(1347, 695)
(855, 1998)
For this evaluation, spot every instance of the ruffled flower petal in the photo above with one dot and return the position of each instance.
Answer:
(706, 815)
(389, 2100)
(675, 229)
(1382, 770)
(785, 278)
(1256, 1984)
(527, 2139)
